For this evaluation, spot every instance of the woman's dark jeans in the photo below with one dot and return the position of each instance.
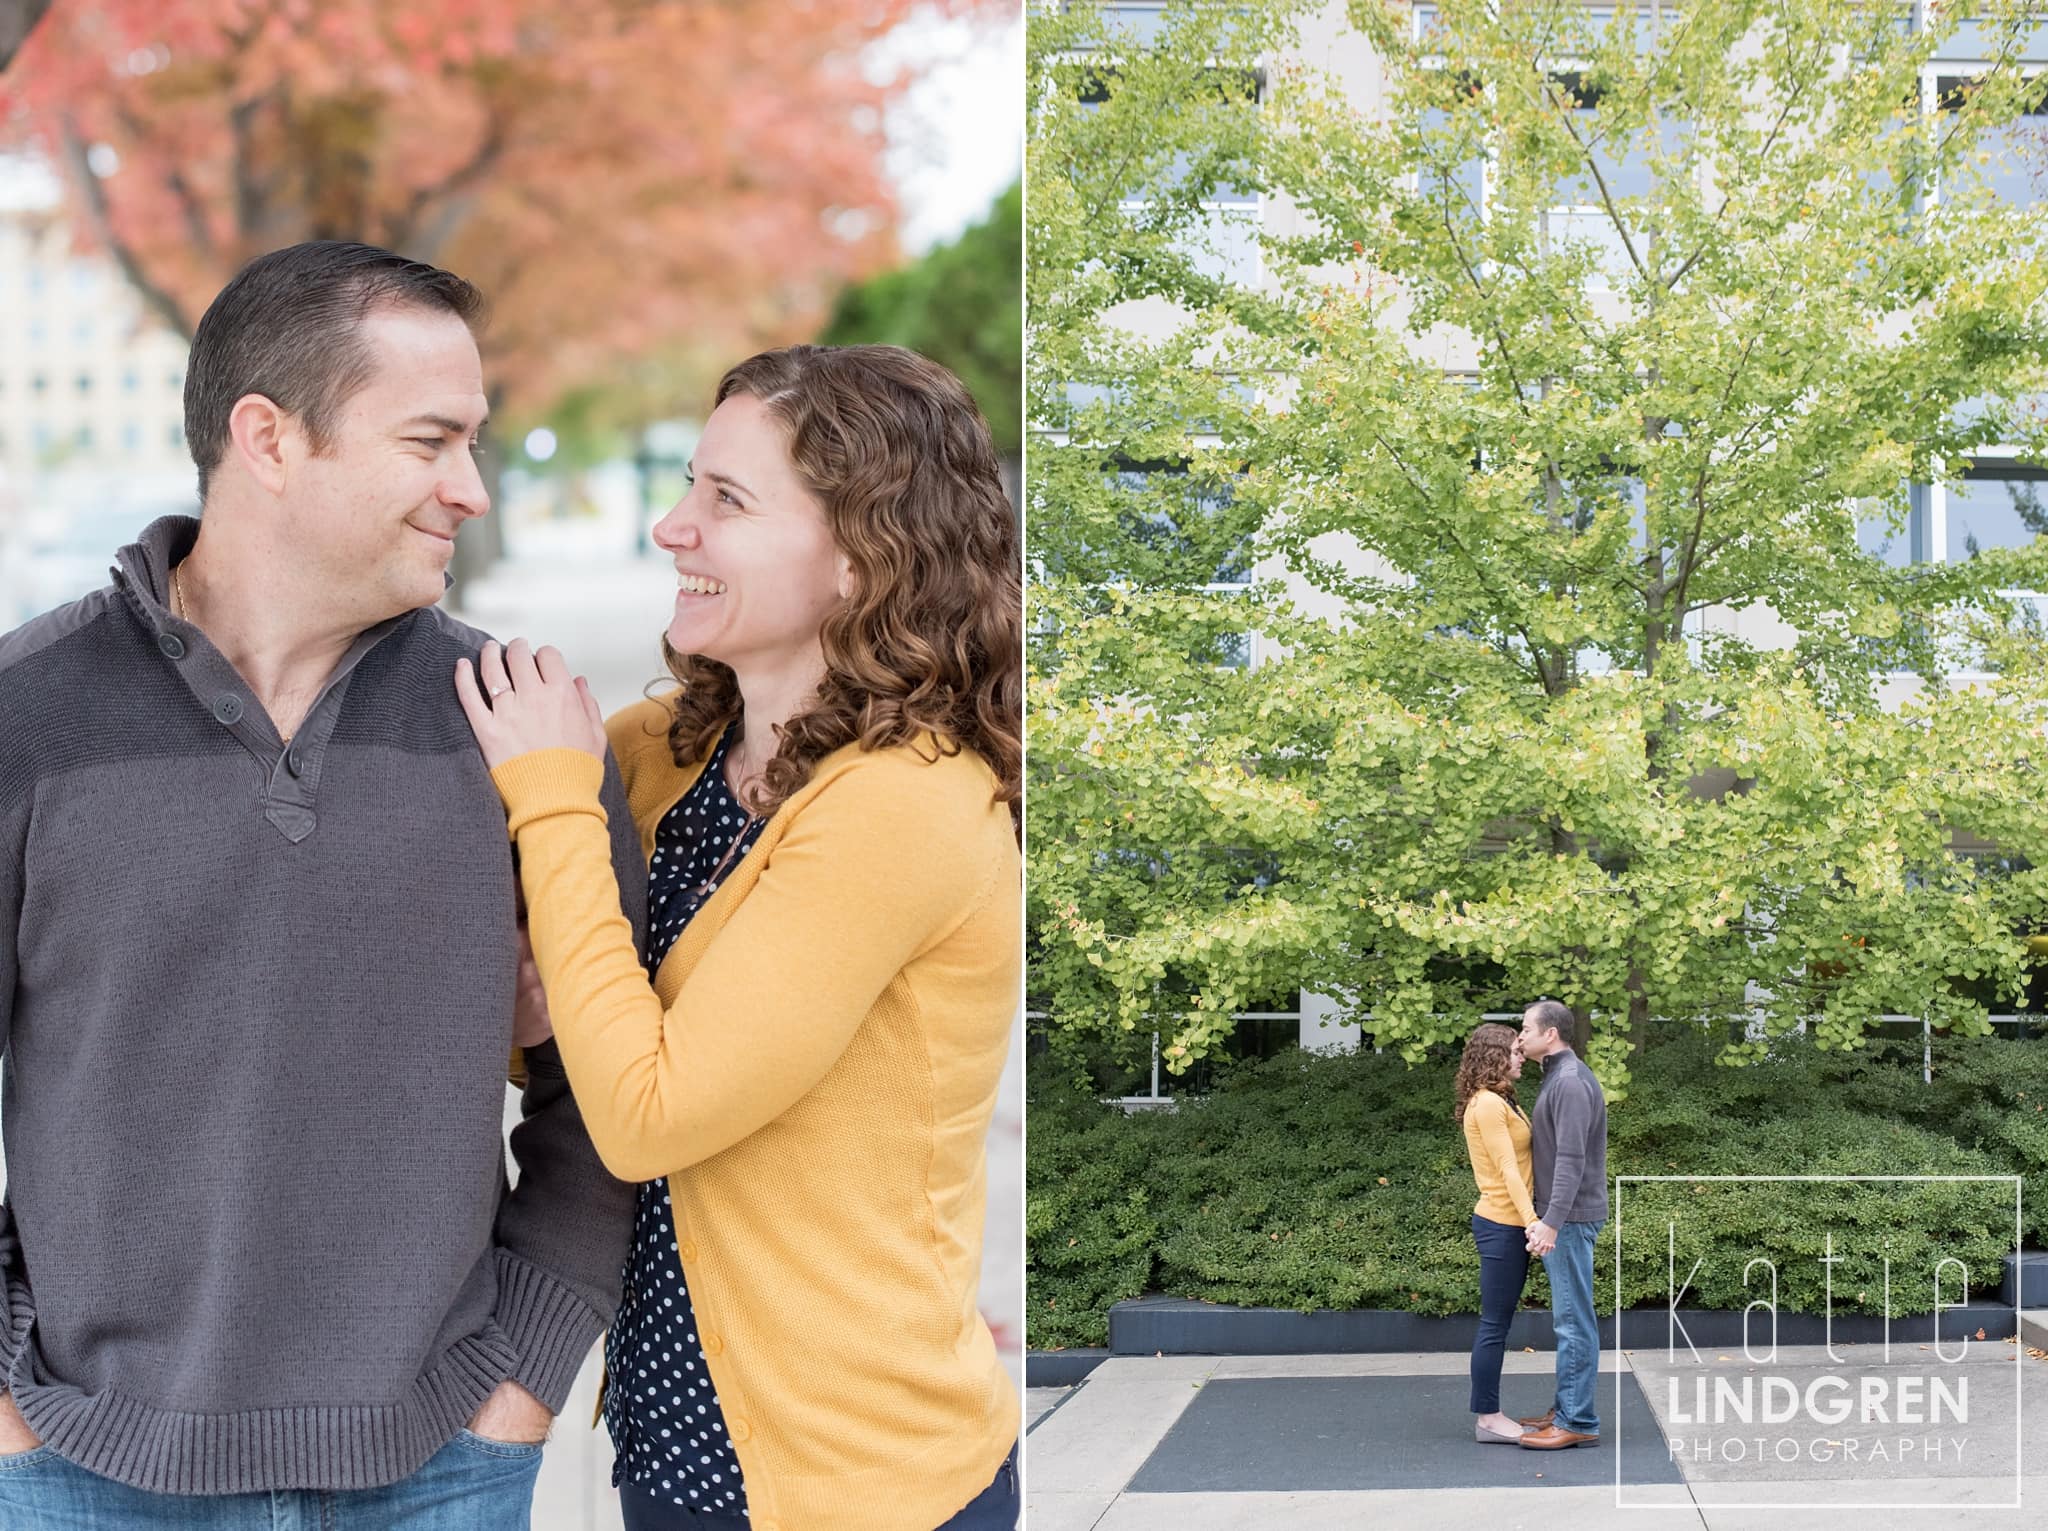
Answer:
(993, 1509)
(1503, 1272)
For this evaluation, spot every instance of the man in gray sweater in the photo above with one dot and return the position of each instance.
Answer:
(1568, 1158)
(258, 1254)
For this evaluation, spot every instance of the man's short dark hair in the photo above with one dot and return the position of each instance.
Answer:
(289, 326)
(1549, 1015)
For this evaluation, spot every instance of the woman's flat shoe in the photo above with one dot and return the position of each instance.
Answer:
(1487, 1437)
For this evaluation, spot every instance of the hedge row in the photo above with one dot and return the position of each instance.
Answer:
(1314, 1181)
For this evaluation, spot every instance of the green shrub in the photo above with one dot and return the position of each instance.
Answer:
(1314, 1181)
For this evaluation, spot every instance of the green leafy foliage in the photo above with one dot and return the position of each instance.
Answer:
(1584, 673)
(1339, 1181)
(956, 304)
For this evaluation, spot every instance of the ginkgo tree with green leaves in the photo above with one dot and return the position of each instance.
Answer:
(1570, 416)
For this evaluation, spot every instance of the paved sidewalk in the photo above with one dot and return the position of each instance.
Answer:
(1224, 1443)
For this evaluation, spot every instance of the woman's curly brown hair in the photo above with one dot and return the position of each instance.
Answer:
(1487, 1065)
(931, 641)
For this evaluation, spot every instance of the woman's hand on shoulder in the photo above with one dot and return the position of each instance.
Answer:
(518, 701)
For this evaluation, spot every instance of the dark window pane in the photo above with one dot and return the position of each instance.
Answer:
(1996, 508)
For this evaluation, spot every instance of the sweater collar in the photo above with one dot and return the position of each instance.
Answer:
(1556, 1061)
(142, 570)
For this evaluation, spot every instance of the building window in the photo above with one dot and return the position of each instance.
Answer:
(2014, 158)
(1224, 246)
(1994, 505)
(39, 384)
(131, 381)
(1176, 516)
(131, 438)
(83, 438)
(84, 383)
(177, 437)
(1580, 216)
(1906, 545)
(1144, 22)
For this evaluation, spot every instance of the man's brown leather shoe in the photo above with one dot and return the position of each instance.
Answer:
(1538, 1420)
(1554, 1437)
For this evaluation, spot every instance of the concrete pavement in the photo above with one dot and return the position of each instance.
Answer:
(1205, 1443)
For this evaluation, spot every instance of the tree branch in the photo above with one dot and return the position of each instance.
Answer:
(196, 227)
(1472, 562)
(18, 18)
(93, 195)
(404, 230)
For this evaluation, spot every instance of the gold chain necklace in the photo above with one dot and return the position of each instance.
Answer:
(178, 611)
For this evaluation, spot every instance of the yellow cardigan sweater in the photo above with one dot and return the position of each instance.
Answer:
(814, 1070)
(1497, 1138)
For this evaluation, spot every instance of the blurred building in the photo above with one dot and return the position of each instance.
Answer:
(92, 433)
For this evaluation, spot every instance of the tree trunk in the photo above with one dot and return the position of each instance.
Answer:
(482, 543)
(18, 18)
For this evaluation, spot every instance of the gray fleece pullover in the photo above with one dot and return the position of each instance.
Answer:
(256, 1005)
(1568, 1143)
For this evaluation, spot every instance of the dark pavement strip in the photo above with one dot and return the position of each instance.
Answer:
(1383, 1432)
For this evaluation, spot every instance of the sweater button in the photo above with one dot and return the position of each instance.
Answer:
(227, 707)
(688, 1251)
(713, 1345)
(170, 645)
(292, 763)
(737, 1428)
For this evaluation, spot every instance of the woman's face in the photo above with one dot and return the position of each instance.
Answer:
(1515, 1059)
(757, 572)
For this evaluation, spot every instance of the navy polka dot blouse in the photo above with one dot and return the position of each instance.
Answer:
(659, 1404)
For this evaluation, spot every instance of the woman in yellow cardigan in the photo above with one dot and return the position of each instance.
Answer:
(801, 1067)
(1497, 1139)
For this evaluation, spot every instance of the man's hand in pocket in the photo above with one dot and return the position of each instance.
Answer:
(512, 1415)
(15, 1435)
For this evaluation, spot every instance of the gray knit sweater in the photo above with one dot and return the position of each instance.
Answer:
(256, 1004)
(1568, 1143)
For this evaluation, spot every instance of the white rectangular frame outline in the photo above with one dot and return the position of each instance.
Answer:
(1692, 1503)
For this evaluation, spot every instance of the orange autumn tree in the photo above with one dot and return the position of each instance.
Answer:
(636, 185)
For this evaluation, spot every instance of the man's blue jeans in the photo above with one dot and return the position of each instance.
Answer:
(471, 1484)
(1570, 1266)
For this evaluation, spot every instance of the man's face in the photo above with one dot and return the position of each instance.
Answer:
(377, 512)
(1535, 1041)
